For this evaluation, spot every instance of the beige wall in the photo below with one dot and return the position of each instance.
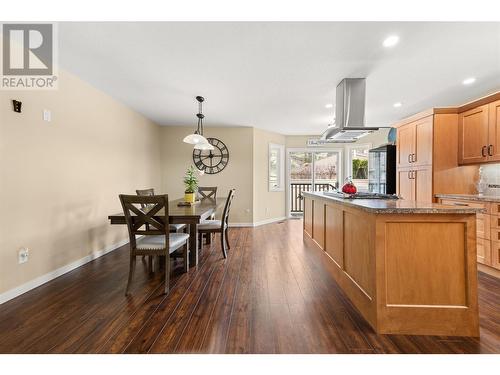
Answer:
(177, 156)
(266, 204)
(60, 180)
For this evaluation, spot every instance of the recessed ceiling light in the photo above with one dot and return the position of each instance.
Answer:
(397, 104)
(329, 105)
(391, 41)
(469, 81)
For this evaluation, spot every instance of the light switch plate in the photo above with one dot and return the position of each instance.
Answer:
(22, 255)
(47, 115)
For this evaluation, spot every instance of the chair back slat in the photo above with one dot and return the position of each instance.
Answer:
(145, 193)
(207, 192)
(227, 208)
(144, 216)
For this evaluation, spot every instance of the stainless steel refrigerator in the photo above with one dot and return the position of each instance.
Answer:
(382, 170)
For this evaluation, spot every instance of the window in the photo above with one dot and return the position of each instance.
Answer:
(357, 168)
(276, 167)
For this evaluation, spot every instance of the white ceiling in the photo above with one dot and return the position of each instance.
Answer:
(279, 76)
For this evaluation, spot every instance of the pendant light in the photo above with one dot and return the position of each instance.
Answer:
(197, 138)
(203, 146)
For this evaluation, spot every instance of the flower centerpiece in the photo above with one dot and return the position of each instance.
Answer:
(191, 184)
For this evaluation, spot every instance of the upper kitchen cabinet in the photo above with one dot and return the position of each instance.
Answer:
(406, 145)
(494, 131)
(479, 134)
(473, 135)
(427, 148)
(414, 142)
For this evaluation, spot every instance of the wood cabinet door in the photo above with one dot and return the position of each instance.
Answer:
(423, 142)
(495, 254)
(405, 184)
(483, 251)
(473, 135)
(422, 177)
(334, 234)
(483, 226)
(308, 216)
(405, 145)
(494, 131)
(318, 226)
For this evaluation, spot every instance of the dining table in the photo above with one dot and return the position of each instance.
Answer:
(189, 215)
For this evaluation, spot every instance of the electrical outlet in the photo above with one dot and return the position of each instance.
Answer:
(22, 255)
(47, 115)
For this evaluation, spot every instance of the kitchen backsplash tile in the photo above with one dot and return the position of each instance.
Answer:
(491, 175)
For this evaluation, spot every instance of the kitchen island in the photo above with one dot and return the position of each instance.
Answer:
(408, 267)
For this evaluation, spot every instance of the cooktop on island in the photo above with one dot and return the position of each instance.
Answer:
(360, 195)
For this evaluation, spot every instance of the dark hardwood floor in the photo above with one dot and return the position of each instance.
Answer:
(273, 294)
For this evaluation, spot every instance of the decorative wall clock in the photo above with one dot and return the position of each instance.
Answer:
(212, 161)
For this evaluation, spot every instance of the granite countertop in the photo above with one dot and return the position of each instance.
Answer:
(397, 206)
(471, 197)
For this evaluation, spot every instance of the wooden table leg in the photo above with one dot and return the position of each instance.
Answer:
(193, 245)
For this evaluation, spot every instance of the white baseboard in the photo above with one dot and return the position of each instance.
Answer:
(26, 287)
(257, 223)
(268, 221)
(240, 225)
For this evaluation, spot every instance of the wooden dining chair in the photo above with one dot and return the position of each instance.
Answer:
(154, 239)
(173, 227)
(219, 226)
(208, 192)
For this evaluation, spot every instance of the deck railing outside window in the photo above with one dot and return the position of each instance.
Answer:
(296, 189)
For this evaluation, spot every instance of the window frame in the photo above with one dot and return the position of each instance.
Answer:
(280, 186)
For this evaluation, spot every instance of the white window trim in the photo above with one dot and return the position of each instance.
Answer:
(281, 167)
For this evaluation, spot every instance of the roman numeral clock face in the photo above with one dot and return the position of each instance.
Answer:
(214, 161)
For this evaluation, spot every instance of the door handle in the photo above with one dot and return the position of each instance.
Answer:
(490, 150)
(483, 151)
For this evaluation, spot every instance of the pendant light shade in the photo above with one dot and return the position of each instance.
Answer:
(204, 146)
(195, 139)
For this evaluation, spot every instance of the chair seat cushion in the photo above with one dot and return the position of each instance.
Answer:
(176, 240)
(177, 227)
(209, 224)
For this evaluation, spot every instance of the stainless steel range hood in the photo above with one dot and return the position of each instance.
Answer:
(349, 112)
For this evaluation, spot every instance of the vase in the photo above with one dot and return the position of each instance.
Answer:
(189, 197)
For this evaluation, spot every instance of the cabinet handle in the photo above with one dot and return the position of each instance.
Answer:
(460, 204)
(483, 151)
(490, 150)
(409, 158)
(413, 174)
(413, 158)
(409, 175)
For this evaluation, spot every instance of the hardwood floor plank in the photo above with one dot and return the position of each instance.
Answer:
(192, 337)
(215, 336)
